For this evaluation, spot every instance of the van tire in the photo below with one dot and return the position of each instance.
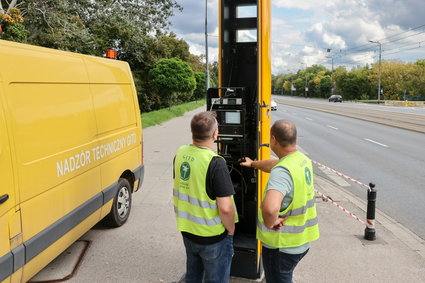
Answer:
(121, 205)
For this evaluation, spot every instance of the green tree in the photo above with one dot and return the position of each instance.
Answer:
(415, 78)
(12, 25)
(214, 73)
(201, 81)
(351, 85)
(173, 79)
(325, 86)
(420, 62)
(287, 86)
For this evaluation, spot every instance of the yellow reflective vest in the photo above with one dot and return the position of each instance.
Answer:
(195, 212)
(301, 226)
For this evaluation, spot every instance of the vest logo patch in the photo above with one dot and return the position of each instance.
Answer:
(185, 171)
(307, 175)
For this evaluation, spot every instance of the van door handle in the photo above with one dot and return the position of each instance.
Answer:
(4, 198)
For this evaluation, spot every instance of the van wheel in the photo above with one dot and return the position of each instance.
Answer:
(121, 206)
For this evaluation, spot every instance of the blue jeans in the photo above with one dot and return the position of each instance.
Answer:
(279, 266)
(210, 263)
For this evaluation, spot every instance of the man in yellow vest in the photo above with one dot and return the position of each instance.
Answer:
(203, 203)
(287, 222)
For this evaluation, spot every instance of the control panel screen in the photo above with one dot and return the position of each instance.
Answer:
(231, 101)
(233, 118)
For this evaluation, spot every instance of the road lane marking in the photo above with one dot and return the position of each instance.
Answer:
(329, 126)
(375, 142)
(308, 119)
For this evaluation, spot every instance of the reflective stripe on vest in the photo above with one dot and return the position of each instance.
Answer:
(193, 201)
(300, 210)
(196, 219)
(195, 212)
(289, 229)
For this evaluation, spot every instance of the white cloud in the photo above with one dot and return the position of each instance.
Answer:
(302, 30)
(299, 4)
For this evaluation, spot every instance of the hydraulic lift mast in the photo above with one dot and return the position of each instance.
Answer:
(242, 103)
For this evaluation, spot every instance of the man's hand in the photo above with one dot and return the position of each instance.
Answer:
(263, 165)
(279, 223)
(246, 161)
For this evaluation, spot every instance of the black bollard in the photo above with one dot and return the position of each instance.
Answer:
(369, 233)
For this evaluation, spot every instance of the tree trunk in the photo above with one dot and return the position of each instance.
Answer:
(12, 5)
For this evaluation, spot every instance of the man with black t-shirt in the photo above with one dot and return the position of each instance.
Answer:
(203, 204)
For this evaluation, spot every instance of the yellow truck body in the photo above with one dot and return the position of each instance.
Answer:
(70, 143)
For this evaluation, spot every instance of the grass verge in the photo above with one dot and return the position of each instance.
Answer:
(157, 117)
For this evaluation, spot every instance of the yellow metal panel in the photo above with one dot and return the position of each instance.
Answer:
(101, 70)
(52, 124)
(113, 168)
(106, 209)
(17, 276)
(57, 142)
(41, 211)
(6, 168)
(264, 96)
(15, 230)
(7, 209)
(114, 106)
(4, 232)
(26, 63)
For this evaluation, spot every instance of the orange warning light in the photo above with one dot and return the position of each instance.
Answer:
(111, 54)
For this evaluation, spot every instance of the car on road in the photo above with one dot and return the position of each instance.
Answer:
(335, 98)
(273, 105)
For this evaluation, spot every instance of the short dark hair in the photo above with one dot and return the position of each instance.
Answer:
(203, 125)
(285, 132)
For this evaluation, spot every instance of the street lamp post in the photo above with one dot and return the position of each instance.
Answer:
(379, 70)
(306, 86)
(207, 71)
(332, 73)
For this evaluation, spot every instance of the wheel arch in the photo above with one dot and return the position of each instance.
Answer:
(127, 174)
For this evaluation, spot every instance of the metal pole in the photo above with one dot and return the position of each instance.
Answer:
(332, 72)
(369, 233)
(207, 71)
(379, 69)
(379, 75)
(305, 74)
(332, 77)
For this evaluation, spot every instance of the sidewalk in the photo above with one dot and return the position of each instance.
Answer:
(149, 249)
(341, 254)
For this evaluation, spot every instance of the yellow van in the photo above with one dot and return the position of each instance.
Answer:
(70, 152)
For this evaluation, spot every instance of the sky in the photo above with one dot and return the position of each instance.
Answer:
(306, 33)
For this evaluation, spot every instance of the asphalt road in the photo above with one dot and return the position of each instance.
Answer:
(390, 116)
(390, 157)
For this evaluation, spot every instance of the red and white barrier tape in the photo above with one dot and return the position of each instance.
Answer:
(340, 207)
(340, 174)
